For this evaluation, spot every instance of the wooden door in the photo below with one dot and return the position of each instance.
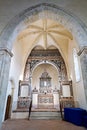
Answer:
(8, 105)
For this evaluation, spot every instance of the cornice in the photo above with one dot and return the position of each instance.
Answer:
(83, 49)
(6, 50)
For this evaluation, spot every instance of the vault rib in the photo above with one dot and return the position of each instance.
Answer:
(28, 33)
(62, 34)
(35, 27)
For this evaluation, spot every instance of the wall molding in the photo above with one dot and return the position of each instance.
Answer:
(83, 49)
(6, 50)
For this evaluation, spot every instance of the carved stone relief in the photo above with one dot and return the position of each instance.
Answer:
(52, 56)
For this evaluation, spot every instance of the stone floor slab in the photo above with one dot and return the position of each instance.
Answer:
(39, 125)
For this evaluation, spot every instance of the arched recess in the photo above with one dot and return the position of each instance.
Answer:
(52, 64)
(41, 11)
(42, 67)
(57, 47)
(47, 62)
(38, 57)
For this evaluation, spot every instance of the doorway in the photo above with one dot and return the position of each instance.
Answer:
(8, 105)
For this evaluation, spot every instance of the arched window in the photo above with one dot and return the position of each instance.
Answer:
(76, 65)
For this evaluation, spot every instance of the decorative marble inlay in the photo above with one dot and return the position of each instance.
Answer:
(52, 56)
(45, 100)
(67, 102)
(23, 103)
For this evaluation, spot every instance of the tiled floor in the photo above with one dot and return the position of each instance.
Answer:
(39, 125)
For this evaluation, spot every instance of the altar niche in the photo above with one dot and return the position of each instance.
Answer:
(45, 83)
(45, 96)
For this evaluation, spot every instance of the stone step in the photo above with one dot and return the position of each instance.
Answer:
(19, 115)
(44, 109)
(45, 115)
(45, 118)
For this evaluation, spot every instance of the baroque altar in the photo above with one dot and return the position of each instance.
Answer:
(45, 97)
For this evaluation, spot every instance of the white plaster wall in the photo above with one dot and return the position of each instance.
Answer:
(38, 72)
(78, 87)
(15, 70)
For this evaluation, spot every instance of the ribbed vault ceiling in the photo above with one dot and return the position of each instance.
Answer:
(46, 33)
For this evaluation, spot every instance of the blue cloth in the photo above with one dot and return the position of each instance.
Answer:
(85, 121)
(74, 115)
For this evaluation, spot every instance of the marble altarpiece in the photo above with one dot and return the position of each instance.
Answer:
(45, 97)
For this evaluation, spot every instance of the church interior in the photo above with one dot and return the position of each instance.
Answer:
(43, 63)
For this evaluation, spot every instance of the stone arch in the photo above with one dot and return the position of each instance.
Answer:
(50, 63)
(47, 62)
(20, 22)
(32, 63)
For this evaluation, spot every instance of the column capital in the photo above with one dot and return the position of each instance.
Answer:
(6, 50)
(83, 49)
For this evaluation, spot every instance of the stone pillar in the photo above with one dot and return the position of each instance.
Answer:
(83, 59)
(5, 59)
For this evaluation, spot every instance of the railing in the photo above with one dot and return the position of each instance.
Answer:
(61, 111)
(30, 106)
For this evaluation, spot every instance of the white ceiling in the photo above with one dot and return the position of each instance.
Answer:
(45, 33)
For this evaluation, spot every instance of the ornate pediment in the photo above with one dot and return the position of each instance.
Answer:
(45, 75)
